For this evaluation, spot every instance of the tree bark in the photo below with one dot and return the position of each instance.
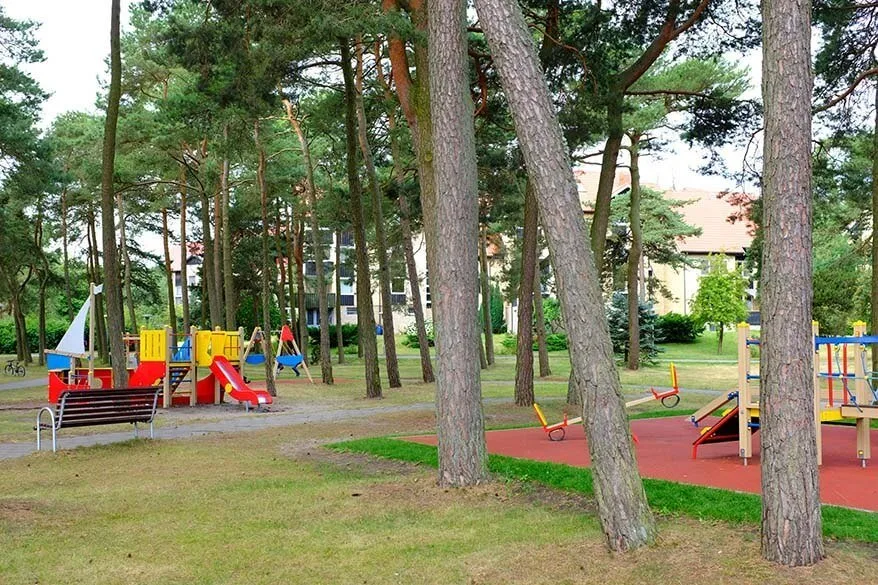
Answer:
(169, 273)
(97, 278)
(634, 257)
(621, 501)
(126, 263)
(281, 280)
(208, 267)
(227, 272)
(66, 255)
(875, 231)
(414, 97)
(300, 288)
(405, 226)
(540, 318)
(184, 247)
(113, 289)
(266, 264)
(486, 296)
(601, 220)
(391, 363)
(524, 358)
(317, 244)
(455, 288)
(365, 314)
(427, 374)
(339, 334)
(218, 318)
(791, 514)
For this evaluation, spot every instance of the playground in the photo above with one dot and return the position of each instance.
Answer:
(345, 517)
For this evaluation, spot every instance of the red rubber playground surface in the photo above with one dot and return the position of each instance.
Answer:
(664, 451)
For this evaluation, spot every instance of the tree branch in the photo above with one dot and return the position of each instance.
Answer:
(848, 91)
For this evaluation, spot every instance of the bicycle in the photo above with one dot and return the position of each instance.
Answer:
(15, 368)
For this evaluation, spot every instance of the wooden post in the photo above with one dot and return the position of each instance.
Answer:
(864, 396)
(193, 366)
(815, 330)
(745, 439)
(166, 384)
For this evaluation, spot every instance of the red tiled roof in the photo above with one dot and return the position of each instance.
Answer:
(707, 210)
(713, 213)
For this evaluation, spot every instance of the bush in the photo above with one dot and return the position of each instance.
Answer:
(349, 335)
(556, 342)
(411, 335)
(677, 328)
(55, 329)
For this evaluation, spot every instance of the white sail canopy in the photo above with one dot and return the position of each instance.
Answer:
(73, 342)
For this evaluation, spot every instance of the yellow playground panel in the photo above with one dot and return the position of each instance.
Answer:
(153, 345)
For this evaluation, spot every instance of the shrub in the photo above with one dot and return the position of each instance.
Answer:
(677, 328)
(411, 335)
(55, 329)
(556, 342)
(349, 335)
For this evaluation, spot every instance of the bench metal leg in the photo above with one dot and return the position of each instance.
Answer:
(135, 430)
(39, 428)
(151, 434)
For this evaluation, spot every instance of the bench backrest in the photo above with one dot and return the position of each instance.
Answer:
(118, 405)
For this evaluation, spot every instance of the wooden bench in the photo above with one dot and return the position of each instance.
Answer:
(100, 407)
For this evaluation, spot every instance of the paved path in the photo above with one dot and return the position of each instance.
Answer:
(254, 422)
(32, 383)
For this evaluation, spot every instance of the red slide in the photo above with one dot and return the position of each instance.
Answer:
(231, 380)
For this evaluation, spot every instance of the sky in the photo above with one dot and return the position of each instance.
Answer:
(75, 37)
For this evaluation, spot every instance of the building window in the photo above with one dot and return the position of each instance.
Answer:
(347, 239)
(313, 318)
(350, 310)
(310, 268)
(427, 298)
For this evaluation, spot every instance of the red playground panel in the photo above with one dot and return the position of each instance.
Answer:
(664, 451)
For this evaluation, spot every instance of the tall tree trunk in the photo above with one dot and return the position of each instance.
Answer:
(621, 501)
(486, 296)
(391, 363)
(601, 220)
(405, 227)
(100, 319)
(291, 271)
(126, 263)
(113, 289)
(414, 97)
(455, 288)
(43, 276)
(266, 263)
(540, 318)
(281, 279)
(524, 357)
(184, 247)
(339, 334)
(875, 231)
(227, 272)
(219, 299)
(634, 257)
(415, 285)
(300, 288)
(169, 272)
(208, 267)
(317, 244)
(365, 315)
(791, 515)
(64, 250)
